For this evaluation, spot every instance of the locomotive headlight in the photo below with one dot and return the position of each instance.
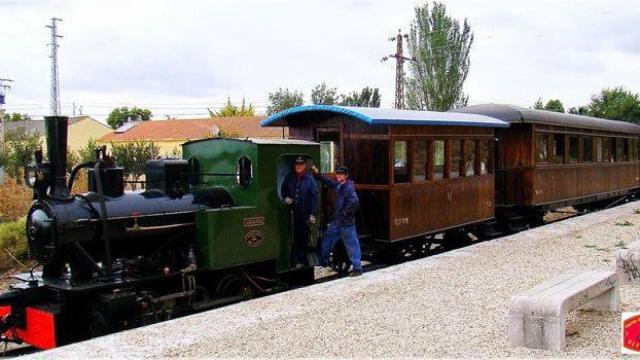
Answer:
(40, 234)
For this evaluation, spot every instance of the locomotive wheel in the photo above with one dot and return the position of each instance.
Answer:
(339, 261)
(97, 323)
(233, 285)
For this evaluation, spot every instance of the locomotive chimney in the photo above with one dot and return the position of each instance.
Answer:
(56, 132)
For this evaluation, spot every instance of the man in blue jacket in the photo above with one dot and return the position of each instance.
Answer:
(299, 191)
(343, 225)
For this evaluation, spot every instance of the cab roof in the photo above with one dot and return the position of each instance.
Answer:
(258, 141)
(378, 116)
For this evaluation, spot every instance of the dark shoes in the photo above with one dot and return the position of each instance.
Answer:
(354, 273)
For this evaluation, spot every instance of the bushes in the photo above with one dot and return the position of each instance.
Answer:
(13, 238)
(15, 199)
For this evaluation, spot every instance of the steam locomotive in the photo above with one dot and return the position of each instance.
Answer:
(208, 230)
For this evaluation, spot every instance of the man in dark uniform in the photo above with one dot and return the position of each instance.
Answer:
(343, 224)
(299, 190)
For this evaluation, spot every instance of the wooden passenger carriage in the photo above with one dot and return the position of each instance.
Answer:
(546, 160)
(416, 172)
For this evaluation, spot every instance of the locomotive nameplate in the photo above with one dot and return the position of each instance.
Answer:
(253, 221)
(254, 238)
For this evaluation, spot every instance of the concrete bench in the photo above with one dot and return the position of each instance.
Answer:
(628, 264)
(538, 317)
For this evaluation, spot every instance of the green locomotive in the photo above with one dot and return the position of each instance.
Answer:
(209, 229)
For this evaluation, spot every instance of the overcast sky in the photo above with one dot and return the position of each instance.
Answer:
(178, 57)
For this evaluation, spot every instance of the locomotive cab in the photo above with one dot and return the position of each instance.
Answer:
(258, 229)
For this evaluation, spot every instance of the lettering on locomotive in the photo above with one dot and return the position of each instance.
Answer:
(253, 221)
(254, 238)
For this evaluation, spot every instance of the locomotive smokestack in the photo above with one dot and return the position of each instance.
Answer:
(56, 132)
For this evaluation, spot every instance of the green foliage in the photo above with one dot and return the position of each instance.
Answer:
(16, 117)
(554, 105)
(13, 238)
(323, 95)
(283, 99)
(617, 104)
(367, 97)
(538, 105)
(440, 48)
(231, 110)
(88, 152)
(18, 151)
(121, 115)
(132, 156)
(580, 110)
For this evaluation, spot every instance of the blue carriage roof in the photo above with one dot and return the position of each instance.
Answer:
(378, 116)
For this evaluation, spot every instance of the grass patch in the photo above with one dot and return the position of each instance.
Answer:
(637, 211)
(13, 238)
(625, 223)
(590, 246)
(621, 244)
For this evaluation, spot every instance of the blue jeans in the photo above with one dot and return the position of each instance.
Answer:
(349, 238)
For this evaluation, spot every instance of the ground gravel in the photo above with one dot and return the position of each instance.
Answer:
(449, 305)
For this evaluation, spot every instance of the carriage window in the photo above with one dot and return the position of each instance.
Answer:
(456, 158)
(558, 148)
(542, 148)
(606, 150)
(619, 149)
(420, 160)
(625, 150)
(469, 157)
(244, 172)
(484, 157)
(573, 148)
(438, 159)
(634, 149)
(599, 150)
(400, 162)
(587, 149)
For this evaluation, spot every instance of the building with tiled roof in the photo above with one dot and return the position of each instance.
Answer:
(81, 130)
(169, 135)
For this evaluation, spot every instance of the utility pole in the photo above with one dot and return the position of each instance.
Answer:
(4, 86)
(55, 82)
(400, 59)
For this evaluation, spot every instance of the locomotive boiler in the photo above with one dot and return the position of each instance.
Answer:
(207, 230)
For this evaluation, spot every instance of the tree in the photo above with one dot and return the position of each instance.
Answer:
(616, 103)
(88, 152)
(367, 97)
(283, 99)
(554, 105)
(133, 156)
(121, 115)
(439, 47)
(538, 105)
(580, 110)
(19, 148)
(323, 95)
(231, 110)
(16, 117)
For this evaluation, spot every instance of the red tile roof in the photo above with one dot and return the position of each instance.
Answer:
(194, 129)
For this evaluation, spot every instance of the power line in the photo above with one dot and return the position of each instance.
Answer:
(55, 82)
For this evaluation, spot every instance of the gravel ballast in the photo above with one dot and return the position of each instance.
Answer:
(449, 305)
